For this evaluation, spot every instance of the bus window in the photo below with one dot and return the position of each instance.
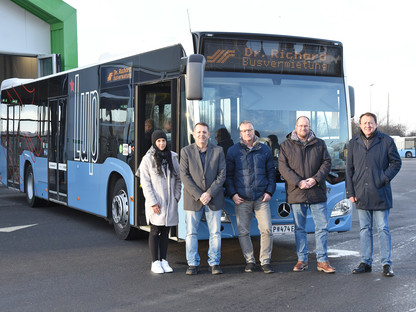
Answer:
(3, 124)
(114, 106)
(158, 114)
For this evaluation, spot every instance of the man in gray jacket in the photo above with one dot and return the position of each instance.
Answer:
(304, 162)
(372, 162)
(202, 169)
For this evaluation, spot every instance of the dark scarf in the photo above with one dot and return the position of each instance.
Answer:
(163, 159)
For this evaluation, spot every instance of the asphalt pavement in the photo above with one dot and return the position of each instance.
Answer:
(55, 258)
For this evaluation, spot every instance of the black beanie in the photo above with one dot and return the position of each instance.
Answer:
(158, 134)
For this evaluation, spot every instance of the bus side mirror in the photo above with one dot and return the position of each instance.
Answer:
(352, 100)
(194, 80)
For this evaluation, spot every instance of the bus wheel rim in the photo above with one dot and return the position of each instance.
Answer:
(120, 208)
(29, 189)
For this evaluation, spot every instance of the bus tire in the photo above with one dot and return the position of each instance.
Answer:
(31, 199)
(120, 211)
(408, 155)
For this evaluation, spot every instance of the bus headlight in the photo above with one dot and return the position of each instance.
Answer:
(225, 218)
(342, 208)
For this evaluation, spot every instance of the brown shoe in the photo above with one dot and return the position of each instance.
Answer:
(300, 266)
(325, 267)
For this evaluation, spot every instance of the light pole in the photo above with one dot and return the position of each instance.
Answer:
(370, 95)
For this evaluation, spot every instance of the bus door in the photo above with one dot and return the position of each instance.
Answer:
(57, 172)
(154, 110)
(13, 152)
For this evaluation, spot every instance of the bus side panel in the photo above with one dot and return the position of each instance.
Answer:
(404, 152)
(336, 193)
(278, 198)
(3, 165)
(181, 224)
(40, 173)
(228, 230)
(87, 185)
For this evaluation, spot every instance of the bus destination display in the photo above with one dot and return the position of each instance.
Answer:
(280, 57)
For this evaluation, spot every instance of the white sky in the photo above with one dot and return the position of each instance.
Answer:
(377, 37)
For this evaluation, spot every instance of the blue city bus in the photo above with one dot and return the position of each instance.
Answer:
(76, 138)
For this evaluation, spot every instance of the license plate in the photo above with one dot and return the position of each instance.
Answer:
(283, 229)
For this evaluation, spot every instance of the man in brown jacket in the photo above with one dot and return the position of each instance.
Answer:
(304, 162)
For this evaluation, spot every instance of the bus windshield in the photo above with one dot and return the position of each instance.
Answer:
(273, 102)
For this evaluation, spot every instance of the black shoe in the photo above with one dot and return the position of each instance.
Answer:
(250, 267)
(192, 270)
(387, 270)
(267, 268)
(215, 269)
(362, 268)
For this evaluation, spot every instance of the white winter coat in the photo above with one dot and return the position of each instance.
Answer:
(160, 188)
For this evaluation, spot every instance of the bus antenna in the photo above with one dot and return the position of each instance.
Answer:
(189, 21)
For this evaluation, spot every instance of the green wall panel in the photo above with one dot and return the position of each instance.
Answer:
(63, 21)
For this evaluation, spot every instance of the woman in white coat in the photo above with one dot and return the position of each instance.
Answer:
(160, 180)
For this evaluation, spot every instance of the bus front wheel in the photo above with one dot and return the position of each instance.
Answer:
(408, 155)
(120, 210)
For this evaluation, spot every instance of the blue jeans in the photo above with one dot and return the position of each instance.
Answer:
(262, 212)
(193, 219)
(320, 217)
(381, 219)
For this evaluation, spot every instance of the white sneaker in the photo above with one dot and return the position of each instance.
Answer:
(165, 266)
(157, 268)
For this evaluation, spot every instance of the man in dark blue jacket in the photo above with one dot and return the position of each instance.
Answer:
(372, 162)
(251, 183)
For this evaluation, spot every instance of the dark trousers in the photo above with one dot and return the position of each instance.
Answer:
(158, 241)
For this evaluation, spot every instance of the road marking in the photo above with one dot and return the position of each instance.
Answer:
(15, 228)
(336, 253)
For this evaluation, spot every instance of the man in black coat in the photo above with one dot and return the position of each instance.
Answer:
(372, 162)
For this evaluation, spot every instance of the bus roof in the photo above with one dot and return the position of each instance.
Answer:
(198, 35)
(13, 82)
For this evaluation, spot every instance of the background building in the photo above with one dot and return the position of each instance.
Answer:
(38, 38)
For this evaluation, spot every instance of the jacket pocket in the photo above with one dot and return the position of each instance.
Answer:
(381, 180)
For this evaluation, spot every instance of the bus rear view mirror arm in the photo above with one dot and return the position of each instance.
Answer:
(352, 100)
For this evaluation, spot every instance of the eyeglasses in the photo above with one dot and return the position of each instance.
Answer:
(247, 131)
